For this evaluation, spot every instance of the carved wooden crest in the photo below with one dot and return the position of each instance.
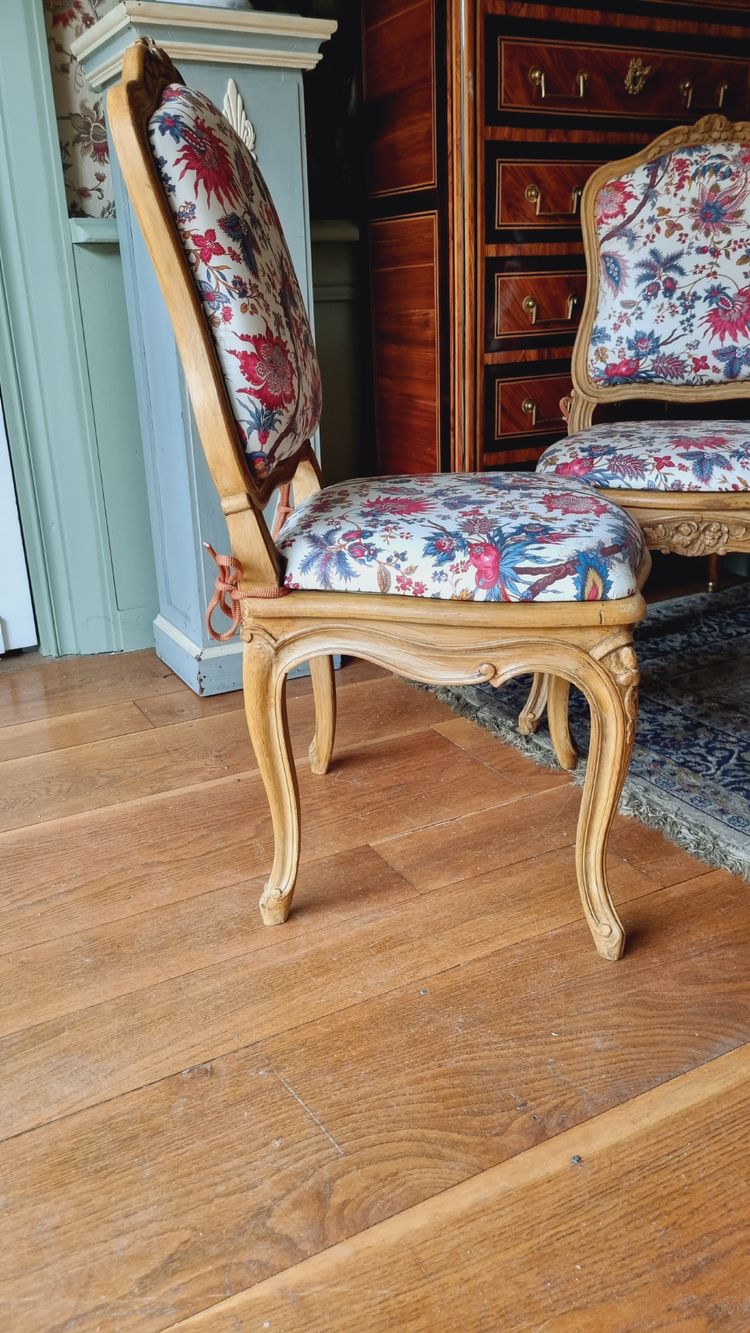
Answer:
(234, 112)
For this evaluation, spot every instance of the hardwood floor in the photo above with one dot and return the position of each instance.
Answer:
(424, 1103)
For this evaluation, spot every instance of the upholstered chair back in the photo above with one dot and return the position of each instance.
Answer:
(668, 248)
(243, 275)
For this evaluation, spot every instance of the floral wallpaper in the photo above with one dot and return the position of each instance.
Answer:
(80, 111)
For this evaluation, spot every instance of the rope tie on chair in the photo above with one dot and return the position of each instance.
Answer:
(228, 597)
(283, 510)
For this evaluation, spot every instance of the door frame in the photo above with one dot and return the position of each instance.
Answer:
(43, 370)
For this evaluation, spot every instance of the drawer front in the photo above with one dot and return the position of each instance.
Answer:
(581, 79)
(536, 303)
(535, 194)
(525, 406)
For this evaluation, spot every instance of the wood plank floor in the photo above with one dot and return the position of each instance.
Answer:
(425, 1103)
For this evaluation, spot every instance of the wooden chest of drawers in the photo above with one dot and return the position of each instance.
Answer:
(484, 120)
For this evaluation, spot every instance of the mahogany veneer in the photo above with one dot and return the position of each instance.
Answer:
(484, 120)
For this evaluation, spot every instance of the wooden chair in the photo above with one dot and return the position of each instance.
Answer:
(667, 316)
(440, 579)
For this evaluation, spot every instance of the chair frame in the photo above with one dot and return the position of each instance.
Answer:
(589, 644)
(689, 523)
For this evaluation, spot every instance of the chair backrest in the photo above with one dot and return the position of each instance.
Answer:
(667, 240)
(229, 284)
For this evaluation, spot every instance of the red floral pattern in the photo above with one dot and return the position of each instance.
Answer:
(673, 242)
(493, 537)
(243, 273)
(656, 456)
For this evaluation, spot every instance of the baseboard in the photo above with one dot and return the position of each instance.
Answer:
(207, 670)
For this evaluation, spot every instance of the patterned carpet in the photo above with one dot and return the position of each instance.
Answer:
(690, 771)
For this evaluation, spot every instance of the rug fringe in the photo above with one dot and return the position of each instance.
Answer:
(639, 800)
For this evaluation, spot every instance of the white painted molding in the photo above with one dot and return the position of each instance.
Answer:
(234, 112)
(100, 75)
(227, 22)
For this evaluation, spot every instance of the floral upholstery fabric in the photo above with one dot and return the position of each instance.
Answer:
(674, 271)
(80, 112)
(244, 275)
(491, 537)
(656, 456)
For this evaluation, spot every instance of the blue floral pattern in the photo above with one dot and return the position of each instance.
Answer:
(673, 240)
(656, 456)
(493, 537)
(243, 274)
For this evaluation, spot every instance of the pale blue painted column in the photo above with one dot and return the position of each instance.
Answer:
(265, 55)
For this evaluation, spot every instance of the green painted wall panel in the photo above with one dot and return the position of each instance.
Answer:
(118, 431)
(77, 498)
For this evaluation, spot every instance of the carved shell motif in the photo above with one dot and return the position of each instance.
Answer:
(234, 112)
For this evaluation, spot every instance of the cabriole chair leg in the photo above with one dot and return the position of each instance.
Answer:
(264, 684)
(611, 688)
(559, 724)
(533, 710)
(324, 690)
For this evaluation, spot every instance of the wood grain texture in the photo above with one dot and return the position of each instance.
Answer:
(400, 116)
(535, 303)
(498, 133)
(46, 689)
(49, 786)
(405, 337)
(403, 1092)
(604, 91)
(658, 1190)
(184, 706)
(160, 849)
(535, 193)
(523, 406)
(527, 776)
(141, 949)
(214, 1103)
(69, 729)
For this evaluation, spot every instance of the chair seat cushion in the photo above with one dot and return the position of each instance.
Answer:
(492, 537)
(655, 456)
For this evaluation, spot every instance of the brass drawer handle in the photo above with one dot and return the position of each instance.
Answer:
(538, 78)
(687, 90)
(529, 409)
(531, 306)
(534, 196)
(528, 406)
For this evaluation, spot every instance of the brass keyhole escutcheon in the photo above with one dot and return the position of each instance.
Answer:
(637, 76)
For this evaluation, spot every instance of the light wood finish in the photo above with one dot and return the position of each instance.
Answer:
(435, 643)
(503, 1242)
(324, 688)
(565, 747)
(193, 1105)
(58, 733)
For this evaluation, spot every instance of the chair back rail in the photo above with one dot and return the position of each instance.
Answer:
(638, 179)
(147, 72)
